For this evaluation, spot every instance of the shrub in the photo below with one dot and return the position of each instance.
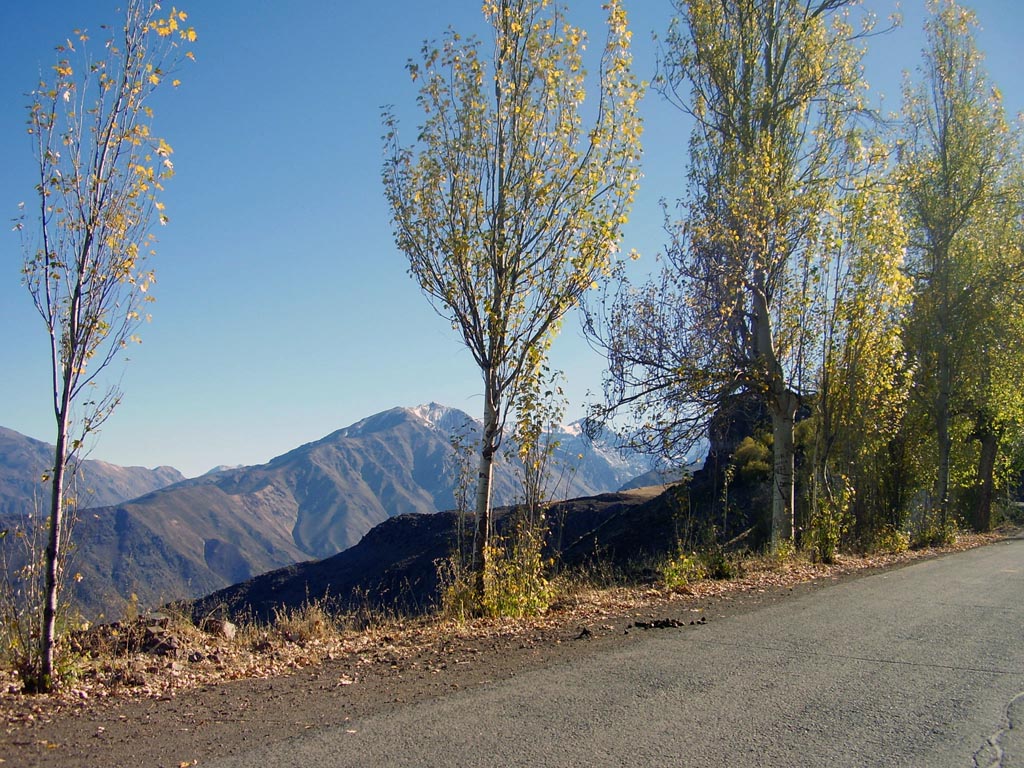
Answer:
(681, 570)
(22, 597)
(890, 540)
(717, 565)
(932, 531)
(516, 584)
(752, 460)
(830, 522)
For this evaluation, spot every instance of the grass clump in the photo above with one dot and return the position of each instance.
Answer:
(314, 620)
(456, 589)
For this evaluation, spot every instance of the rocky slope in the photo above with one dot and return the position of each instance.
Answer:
(394, 567)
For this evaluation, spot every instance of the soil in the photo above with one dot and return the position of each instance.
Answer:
(175, 715)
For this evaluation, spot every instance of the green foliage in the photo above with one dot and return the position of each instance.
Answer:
(890, 540)
(100, 172)
(960, 181)
(516, 580)
(507, 207)
(516, 583)
(22, 600)
(783, 553)
(718, 565)
(934, 531)
(830, 522)
(681, 570)
(685, 568)
(771, 89)
(539, 409)
(753, 460)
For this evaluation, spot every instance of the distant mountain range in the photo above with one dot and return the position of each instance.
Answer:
(24, 461)
(196, 536)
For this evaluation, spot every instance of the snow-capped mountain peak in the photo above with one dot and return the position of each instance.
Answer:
(441, 417)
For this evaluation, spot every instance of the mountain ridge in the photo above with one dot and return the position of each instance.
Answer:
(25, 460)
(205, 533)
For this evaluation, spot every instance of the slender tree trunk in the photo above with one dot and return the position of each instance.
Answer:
(945, 442)
(783, 409)
(945, 447)
(782, 402)
(488, 446)
(986, 481)
(48, 634)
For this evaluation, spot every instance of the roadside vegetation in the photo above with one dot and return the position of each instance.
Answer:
(159, 654)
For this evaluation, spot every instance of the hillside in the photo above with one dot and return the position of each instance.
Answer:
(394, 567)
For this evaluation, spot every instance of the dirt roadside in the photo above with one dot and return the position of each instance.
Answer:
(177, 725)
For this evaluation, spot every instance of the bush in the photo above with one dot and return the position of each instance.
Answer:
(515, 580)
(682, 570)
(783, 553)
(22, 600)
(934, 532)
(890, 540)
(752, 460)
(717, 565)
(830, 522)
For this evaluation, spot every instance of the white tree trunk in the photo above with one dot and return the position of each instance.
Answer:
(488, 446)
(48, 634)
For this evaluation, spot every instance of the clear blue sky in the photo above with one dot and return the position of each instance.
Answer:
(283, 309)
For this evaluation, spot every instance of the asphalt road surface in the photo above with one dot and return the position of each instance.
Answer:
(920, 666)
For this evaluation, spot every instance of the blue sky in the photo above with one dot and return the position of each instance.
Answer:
(283, 309)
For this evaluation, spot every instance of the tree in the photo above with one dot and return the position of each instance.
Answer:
(861, 381)
(508, 209)
(100, 172)
(993, 403)
(959, 166)
(771, 88)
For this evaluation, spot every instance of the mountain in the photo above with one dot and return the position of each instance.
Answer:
(24, 461)
(317, 500)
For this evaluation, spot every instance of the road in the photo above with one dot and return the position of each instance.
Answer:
(919, 666)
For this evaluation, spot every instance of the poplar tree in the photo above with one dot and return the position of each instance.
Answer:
(100, 170)
(770, 88)
(508, 206)
(960, 177)
(860, 379)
